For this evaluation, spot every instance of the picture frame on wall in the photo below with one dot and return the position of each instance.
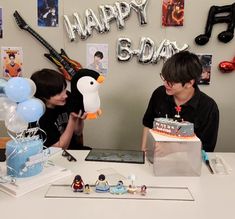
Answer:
(12, 61)
(47, 13)
(172, 12)
(97, 58)
(1, 23)
(206, 61)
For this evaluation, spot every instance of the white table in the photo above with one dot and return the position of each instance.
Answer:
(214, 195)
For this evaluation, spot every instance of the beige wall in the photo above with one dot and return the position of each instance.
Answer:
(126, 91)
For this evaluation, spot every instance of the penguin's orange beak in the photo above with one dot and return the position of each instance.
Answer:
(100, 79)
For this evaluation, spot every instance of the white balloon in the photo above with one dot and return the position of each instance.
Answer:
(15, 123)
(6, 106)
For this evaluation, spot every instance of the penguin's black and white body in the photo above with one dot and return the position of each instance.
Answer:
(84, 92)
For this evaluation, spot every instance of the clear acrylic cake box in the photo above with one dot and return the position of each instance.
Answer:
(177, 157)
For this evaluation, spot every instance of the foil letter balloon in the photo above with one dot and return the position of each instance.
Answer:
(69, 28)
(146, 50)
(108, 14)
(124, 53)
(140, 7)
(123, 12)
(92, 22)
(166, 49)
(80, 27)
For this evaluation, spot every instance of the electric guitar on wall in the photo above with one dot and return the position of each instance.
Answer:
(67, 66)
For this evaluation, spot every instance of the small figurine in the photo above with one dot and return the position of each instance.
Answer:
(101, 184)
(87, 189)
(78, 184)
(132, 188)
(118, 189)
(143, 190)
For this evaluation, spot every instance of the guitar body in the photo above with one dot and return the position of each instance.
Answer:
(73, 64)
(67, 66)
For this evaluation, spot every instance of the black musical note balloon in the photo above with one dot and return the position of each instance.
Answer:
(219, 14)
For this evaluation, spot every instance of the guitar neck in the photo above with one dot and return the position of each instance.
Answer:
(52, 51)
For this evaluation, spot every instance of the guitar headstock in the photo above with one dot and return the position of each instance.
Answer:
(20, 21)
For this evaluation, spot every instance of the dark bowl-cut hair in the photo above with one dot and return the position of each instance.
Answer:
(12, 55)
(99, 54)
(48, 83)
(182, 67)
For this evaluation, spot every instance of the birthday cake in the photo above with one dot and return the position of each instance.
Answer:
(173, 128)
(18, 154)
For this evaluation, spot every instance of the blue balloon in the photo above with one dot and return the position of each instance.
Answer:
(31, 110)
(18, 89)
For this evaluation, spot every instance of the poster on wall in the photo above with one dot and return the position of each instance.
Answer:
(172, 12)
(206, 61)
(47, 13)
(12, 61)
(1, 24)
(97, 58)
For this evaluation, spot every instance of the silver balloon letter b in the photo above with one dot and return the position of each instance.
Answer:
(124, 53)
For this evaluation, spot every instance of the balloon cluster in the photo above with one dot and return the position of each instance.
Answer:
(147, 53)
(226, 14)
(120, 11)
(227, 66)
(18, 107)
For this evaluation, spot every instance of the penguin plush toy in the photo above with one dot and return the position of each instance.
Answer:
(84, 92)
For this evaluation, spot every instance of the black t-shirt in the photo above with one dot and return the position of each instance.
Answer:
(200, 110)
(54, 122)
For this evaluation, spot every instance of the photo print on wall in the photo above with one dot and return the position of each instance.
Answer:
(12, 61)
(206, 61)
(172, 12)
(97, 58)
(48, 13)
(1, 24)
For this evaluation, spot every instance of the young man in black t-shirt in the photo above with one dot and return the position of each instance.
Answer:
(180, 75)
(62, 127)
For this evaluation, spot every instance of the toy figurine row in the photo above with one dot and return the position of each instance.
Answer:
(102, 186)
